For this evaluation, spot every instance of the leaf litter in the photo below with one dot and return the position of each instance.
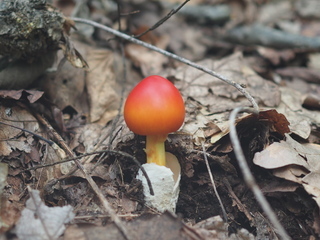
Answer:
(284, 164)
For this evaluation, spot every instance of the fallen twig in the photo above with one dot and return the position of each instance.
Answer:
(34, 134)
(224, 213)
(171, 55)
(234, 197)
(247, 175)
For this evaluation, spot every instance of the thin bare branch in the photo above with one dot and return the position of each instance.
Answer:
(247, 175)
(224, 213)
(34, 134)
(171, 55)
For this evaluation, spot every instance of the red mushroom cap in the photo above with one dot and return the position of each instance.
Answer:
(154, 107)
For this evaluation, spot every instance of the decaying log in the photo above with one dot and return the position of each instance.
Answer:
(30, 34)
(29, 28)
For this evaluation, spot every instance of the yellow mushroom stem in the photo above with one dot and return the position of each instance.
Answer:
(155, 149)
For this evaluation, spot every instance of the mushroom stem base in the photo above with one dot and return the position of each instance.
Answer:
(165, 183)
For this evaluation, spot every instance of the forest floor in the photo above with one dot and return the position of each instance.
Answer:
(271, 48)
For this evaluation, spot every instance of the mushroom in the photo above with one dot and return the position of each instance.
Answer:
(155, 108)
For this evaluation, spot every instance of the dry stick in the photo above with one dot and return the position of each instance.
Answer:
(171, 55)
(224, 213)
(248, 177)
(107, 207)
(235, 198)
(32, 133)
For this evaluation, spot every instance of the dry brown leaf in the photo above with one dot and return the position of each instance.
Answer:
(32, 95)
(128, 205)
(18, 117)
(307, 74)
(278, 185)
(19, 144)
(149, 61)
(276, 56)
(312, 185)
(50, 156)
(16, 141)
(295, 162)
(10, 212)
(300, 118)
(101, 85)
(278, 155)
(96, 170)
(291, 173)
(90, 136)
(277, 120)
(67, 88)
(275, 12)
(86, 137)
(75, 232)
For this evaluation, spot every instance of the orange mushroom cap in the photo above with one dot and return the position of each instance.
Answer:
(154, 107)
